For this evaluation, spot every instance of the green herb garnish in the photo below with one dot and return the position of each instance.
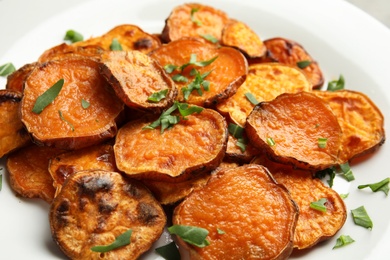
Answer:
(47, 97)
(193, 11)
(73, 36)
(179, 78)
(158, 96)
(64, 119)
(303, 64)
(197, 84)
(169, 68)
(193, 235)
(251, 98)
(361, 218)
(6, 69)
(209, 38)
(336, 84)
(344, 196)
(239, 133)
(220, 231)
(322, 142)
(347, 172)
(270, 141)
(169, 251)
(120, 241)
(379, 186)
(343, 240)
(115, 45)
(84, 103)
(329, 171)
(197, 63)
(319, 205)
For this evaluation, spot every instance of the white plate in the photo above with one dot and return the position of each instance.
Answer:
(343, 39)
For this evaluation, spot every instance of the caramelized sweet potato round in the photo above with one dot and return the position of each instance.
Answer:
(257, 215)
(227, 72)
(265, 82)
(65, 50)
(298, 129)
(15, 81)
(193, 146)
(65, 123)
(135, 77)
(95, 207)
(360, 119)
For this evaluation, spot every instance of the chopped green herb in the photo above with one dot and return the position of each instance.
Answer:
(193, 11)
(193, 235)
(319, 205)
(197, 63)
(158, 96)
(322, 142)
(179, 78)
(251, 98)
(383, 185)
(347, 172)
(169, 68)
(169, 251)
(220, 231)
(115, 45)
(343, 240)
(209, 38)
(336, 84)
(120, 241)
(361, 218)
(185, 110)
(84, 103)
(6, 69)
(344, 196)
(47, 97)
(329, 171)
(66, 121)
(270, 141)
(73, 36)
(303, 64)
(198, 82)
(239, 133)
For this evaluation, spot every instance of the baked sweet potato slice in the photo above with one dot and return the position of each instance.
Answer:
(15, 80)
(235, 153)
(193, 146)
(95, 207)
(289, 52)
(313, 225)
(135, 77)
(256, 215)
(129, 37)
(225, 73)
(298, 129)
(360, 119)
(66, 50)
(83, 113)
(28, 172)
(264, 82)
(194, 20)
(239, 35)
(12, 133)
(96, 157)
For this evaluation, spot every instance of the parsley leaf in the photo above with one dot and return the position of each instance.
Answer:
(361, 218)
(319, 205)
(193, 235)
(85, 104)
(6, 69)
(238, 132)
(169, 251)
(120, 241)
(73, 36)
(303, 64)
(251, 98)
(47, 97)
(336, 84)
(209, 38)
(198, 82)
(347, 172)
(379, 186)
(115, 45)
(158, 96)
(193, 11)
(343, 240)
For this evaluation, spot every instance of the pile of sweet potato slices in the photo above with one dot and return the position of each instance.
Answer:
(126, 111)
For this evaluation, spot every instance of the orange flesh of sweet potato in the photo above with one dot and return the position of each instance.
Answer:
(78, 127)
(228, 71)
(181, 23)
(191, 147)
(135, 77)
(360, 119)
(15, 80)
(257, 215)
(290, 52)
(265, 82)
(12, 133)
(28, 172)
(295, 122)
(235, 154)
(129, 36)
(65, 50)
(95, 207)
(239, 35)
(313, 226)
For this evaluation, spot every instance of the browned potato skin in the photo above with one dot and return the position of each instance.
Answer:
(295, 122)
(95, 207)
(12, 133)
(135, 77)
(28, 172)
(15, 81)
(65, 51)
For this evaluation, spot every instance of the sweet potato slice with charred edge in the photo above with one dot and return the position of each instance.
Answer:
(191, 147)
(28, 172)
(95, 207)
(313, 226)
(65, 51)
(289, 52)
(235, 154)
(97, 157)
(257, 215)
(227, 72)
(194, 20)
(239, 35)
(135, 77)
(65, 123)
(360, 119)
(15, 81)
(129, 36)
(298, 129)
(12, 133)
(264, 82)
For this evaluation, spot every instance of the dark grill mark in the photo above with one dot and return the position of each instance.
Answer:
(143, 43)
(147, 214)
